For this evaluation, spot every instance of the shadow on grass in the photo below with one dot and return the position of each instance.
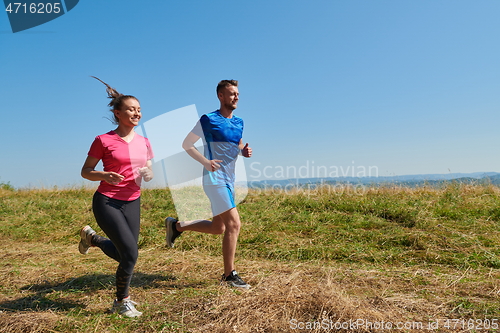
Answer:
(47, 295)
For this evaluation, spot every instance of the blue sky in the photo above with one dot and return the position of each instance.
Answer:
(411, 87)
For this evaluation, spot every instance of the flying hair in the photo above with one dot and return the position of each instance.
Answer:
(116, 98)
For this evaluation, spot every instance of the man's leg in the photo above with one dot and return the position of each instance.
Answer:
(228, 223)
(232, 223)
(215, 227)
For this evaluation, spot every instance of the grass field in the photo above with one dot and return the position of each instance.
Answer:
(421, 259)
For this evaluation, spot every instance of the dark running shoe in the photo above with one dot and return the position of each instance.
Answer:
(233, 280)
(172, 232)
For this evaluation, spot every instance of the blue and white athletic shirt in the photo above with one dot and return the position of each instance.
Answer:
(221, 137)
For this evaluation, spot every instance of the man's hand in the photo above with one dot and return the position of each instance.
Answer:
(212, 165)
(246, 151)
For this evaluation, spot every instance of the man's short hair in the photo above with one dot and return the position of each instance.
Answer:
(226, 83)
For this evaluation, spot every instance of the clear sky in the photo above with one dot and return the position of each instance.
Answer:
(411, 87)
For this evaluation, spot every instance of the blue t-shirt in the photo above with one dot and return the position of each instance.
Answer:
(221, 138)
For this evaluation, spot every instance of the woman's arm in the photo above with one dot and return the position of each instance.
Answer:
(89, 172)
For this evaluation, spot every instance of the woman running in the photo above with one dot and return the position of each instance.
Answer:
(126, 158)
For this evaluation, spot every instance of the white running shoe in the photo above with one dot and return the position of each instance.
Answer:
(126, 308)
(85, 239)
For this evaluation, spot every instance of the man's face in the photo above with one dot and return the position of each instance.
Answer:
(229, 97)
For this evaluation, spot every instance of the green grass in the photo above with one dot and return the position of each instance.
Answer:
(455, 226)
(399, 245)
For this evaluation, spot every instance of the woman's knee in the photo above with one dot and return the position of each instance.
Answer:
(129, 257)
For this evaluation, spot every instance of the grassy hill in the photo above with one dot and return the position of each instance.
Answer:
(322, 260)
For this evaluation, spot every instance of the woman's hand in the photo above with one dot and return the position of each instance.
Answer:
(146, 173)
(112, 178)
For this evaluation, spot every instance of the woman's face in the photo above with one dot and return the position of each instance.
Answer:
(130, 113)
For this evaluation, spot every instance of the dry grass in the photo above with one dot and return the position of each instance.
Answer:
(52, 288)
(47, 286)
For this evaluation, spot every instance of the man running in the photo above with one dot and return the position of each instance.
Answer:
(222, 133)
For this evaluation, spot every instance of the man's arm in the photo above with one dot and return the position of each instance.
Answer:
(188, 146)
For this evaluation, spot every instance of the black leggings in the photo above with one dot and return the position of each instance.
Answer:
(120, 220)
